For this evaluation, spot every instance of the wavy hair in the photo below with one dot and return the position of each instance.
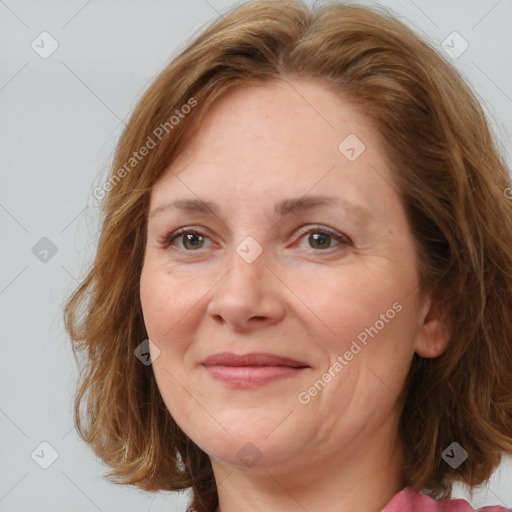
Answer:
(449, 173)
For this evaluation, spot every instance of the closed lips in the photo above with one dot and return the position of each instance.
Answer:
(252, 359)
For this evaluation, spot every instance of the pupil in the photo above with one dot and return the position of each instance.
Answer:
(192, 239)
(320, 238)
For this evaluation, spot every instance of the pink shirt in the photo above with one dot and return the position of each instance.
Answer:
(410, 500)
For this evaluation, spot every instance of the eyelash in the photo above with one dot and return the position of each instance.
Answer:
(343, 240)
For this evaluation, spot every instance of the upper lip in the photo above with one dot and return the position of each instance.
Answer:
(251, 359)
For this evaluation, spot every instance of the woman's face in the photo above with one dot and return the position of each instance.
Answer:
(303, 251)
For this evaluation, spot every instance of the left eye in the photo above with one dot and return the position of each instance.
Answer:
(318, 238)
(321, 238)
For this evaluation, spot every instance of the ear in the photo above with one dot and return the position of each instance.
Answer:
(434, 335)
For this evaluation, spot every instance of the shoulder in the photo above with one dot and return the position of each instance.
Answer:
(417, 502)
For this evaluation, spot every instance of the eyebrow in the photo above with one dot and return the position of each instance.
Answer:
(283, 208)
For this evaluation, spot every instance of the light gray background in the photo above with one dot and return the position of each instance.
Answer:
(60, 120)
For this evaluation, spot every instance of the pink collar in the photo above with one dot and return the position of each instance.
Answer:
(410, 500)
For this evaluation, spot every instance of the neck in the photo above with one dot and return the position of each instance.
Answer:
(361, 479)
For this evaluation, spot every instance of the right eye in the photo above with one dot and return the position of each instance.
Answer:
(191, 240)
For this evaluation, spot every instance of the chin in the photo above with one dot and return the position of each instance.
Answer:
(254, 447)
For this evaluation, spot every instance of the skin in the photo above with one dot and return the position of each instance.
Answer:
(299, 298)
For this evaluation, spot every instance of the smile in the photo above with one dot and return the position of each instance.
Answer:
(252, 370)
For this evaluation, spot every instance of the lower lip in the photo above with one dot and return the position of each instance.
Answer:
(252, 376)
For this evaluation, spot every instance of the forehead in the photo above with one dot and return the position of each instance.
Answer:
(288, 119)
(276, 141)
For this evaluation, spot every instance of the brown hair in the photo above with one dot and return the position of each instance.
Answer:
(448, 173)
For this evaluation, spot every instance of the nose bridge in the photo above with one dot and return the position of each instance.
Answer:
(247, 266)
(244, 292)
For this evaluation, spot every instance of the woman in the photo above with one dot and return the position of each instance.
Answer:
(300, 295)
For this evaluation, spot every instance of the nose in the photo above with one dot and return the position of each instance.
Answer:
(249, 296)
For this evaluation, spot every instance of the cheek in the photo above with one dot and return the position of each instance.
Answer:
(375, 347)
(154, 306)
(168, 312)
(173, 309)
(346, 300)
(167, 303)
(365, 317)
